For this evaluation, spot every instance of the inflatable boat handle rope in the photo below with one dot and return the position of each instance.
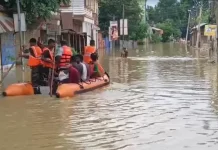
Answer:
(95, 79)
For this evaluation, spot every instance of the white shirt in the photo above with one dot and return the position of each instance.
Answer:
(59, 51)
(84, 75)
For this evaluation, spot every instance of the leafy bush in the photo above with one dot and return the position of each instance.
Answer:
(140, 33)
(155, 38)
(169, 30)
(35, 10)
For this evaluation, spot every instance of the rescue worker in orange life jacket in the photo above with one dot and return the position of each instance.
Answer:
(34, 61)
(47, 61)
(63, 63)
(88, 51)
(63, 56)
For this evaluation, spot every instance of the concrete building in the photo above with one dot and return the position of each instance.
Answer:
(84, 18)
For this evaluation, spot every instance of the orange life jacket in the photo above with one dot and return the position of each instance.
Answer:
(48, 64)
(87, 53)
(35, 61)
(66, 56)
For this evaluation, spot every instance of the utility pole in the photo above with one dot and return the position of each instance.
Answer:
(198, 30)
(215, 9)
(19, 26)
(187, 31)
(123, 25)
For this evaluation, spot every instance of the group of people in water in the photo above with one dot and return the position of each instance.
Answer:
(61, 65)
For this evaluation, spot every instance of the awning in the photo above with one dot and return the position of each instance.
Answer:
(202, 24)
(6, 24)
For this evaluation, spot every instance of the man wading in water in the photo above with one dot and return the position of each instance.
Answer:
(124, 53)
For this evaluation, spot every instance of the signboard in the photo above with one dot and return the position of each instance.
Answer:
(113, 30)
(210, 30)
(125, 27)
(53, 29)
(16, 23)
(8, 53)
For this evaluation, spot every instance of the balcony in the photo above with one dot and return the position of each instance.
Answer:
(88, 13)
(80, 10)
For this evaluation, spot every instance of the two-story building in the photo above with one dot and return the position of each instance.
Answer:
(84, 20)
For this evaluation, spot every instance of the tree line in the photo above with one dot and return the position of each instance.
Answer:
(40, 10)
(35, 10)
(172, 16)
(112, 10)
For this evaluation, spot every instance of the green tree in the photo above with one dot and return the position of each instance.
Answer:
(112, 9)
(167, 9)
(155, 38)
(140, 33)
(152, 15)
(169, 30)
(35, 10)
(178, 12)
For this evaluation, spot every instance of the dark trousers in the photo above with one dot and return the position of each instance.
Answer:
(44, 76)
(39, 77)
(35, 79)
(35, 76)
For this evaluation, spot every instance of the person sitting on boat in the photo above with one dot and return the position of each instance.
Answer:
(74, 75)
(47, 60)
(88, 51)
(86, 70)
(76, 64)
(124, 53)
(71, 74)
(34, 62)
(95, 67)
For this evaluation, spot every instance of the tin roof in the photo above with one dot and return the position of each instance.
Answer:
(157, 29)
(202, 24)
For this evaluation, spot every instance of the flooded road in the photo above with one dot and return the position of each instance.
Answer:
(162, 97)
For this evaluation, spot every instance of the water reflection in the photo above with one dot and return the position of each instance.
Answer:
(163, 96)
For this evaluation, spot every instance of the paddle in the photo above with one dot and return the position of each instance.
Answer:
(52, 73)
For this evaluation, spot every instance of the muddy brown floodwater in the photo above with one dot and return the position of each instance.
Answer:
(163, 97)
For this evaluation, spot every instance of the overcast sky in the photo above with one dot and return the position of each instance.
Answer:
(152, 2)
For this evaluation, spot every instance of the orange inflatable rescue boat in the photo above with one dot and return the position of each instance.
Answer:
(19, 89)
(69, 90)
(64, 90)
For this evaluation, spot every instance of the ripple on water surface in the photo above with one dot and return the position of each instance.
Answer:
(167, 106)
